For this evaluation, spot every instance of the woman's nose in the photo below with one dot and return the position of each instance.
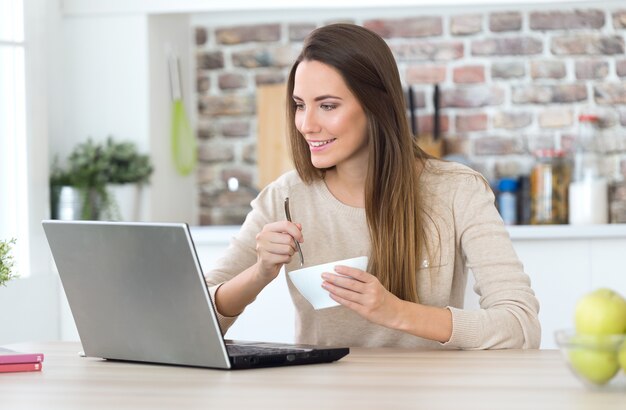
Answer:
(309, 124)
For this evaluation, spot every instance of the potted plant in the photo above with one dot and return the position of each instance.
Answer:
(128, 172)
(6, 261)
(81, 189)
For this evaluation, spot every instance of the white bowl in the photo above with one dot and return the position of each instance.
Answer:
(309, 280)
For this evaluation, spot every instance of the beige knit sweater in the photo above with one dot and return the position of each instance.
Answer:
(473, 238)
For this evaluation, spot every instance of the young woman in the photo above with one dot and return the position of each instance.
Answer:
(363, 187)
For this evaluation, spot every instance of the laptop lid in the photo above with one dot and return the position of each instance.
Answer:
(137, 292)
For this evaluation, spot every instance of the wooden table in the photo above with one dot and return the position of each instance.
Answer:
(365, 379)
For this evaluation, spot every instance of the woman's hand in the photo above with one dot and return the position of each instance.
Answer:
(363, 293)
(275, 246)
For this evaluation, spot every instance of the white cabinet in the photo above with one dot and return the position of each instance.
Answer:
(563, 262)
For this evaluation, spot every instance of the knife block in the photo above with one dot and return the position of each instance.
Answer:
(431, 146)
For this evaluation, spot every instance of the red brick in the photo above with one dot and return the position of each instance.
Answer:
(589, 44)
(471, 122)
(216, 152)
(407, 27)
(505, 21)
(512, 119)
(620, 68)
(210, 60)
(270, 77)
(203, 82)
(619, 19)
(610, 93)
(428, 50)
(245, 34)
(556, 118)
(591, 69)
(509, 46)
(548, 69)
(549, 94)
(236, 128)
(471, 97)
(566, 20)
(282, 56)
(231, 104)
(511, 69)
(201, 36)
(230, 81)
(466, 24)
(206, 129)
(426, 74)
(469, 74)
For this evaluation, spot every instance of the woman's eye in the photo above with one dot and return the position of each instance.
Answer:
(328, 107)
(299, 106)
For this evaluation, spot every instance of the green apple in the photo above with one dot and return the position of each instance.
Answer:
(621, 356)
(596, 365)
(601, 312)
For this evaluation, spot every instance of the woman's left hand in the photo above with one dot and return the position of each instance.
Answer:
(363, 293)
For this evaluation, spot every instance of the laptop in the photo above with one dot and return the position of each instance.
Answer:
(137, 293)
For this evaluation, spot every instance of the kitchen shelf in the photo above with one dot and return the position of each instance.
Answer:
(221, 234)
(529, 232)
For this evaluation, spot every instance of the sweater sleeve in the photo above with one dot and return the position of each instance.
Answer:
(508, 314)
(241, 252)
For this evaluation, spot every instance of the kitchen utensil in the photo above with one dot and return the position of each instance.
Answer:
(433, 144)
(183, 141)
(288, 214)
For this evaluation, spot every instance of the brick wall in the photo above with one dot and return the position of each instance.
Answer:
(510, 81)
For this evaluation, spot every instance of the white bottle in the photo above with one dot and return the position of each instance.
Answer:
(588, 192)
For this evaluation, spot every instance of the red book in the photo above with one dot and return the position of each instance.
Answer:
(8, 356)
(20, 367)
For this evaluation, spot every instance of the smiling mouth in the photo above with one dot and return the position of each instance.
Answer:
(316, 144)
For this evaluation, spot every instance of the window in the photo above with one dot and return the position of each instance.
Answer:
(13, 161)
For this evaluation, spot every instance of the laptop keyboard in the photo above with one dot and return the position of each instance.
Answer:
(240, 350)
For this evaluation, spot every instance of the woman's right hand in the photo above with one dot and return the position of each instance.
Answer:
(275, 246)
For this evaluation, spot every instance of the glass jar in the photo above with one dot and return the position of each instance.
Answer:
(588, 190)
(617, 202)
(507, 200)
(549, 182)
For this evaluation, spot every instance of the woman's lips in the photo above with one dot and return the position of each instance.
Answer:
(320, 145)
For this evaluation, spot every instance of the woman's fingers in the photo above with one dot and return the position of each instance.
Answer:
(275, 245)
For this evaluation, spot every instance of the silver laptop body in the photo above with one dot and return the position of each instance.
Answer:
(137, 292)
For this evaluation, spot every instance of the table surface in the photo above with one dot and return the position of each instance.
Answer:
(365, 379)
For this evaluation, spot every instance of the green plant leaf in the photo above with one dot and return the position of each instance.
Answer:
(6, 261)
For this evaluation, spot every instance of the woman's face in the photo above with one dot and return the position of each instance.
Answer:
(329, 116)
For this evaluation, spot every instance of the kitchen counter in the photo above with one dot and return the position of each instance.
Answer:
(365, 379)
(222, 234)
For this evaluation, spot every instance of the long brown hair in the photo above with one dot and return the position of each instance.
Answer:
(392, 199)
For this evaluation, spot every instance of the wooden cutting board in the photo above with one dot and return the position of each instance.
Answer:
(273, 157)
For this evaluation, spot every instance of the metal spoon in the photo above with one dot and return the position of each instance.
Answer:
(288, 214)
